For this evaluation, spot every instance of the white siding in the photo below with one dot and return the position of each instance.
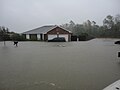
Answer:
(38, 37)
(27, 36)
(43, 36)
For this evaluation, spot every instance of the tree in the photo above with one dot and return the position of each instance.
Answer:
(71, 26)
(109, 22)
(4, 34)
(87, 26)
(16, 37)
(117, 19)
(72, 23)
(78, 29)
(109, 29)
(117, 22)
(93, 23)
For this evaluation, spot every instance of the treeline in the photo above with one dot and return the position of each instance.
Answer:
(85, 31)
(6, 35)
(89, 29)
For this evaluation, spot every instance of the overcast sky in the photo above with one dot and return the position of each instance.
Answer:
(23, 15)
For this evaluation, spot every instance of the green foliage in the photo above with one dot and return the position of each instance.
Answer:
(17, 37)
(4, 34)
(110, 28)
(85, 31)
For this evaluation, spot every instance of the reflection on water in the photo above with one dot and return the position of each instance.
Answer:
(89, 65)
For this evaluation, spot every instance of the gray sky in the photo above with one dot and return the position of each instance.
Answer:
(23, 15)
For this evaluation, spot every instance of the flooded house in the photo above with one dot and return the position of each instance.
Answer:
(46, 33)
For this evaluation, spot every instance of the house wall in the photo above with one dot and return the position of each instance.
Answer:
(45, 37)
(58, 29)
(27, 36)
(52, 33)
(33, 36)
(38, 37)
(24, 36)
(60, 32)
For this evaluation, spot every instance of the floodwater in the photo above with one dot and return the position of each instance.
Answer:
(87, 65)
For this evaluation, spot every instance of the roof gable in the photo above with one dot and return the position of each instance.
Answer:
(43, 30)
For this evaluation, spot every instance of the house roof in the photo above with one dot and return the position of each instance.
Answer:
(43, 30)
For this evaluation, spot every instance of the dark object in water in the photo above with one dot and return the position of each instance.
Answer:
(118, 54)
(117, 88)
(57, 39)
(117, 42)
(15, 43)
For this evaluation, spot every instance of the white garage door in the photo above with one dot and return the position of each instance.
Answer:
(65, 36)
(61, 35)
(51, 37)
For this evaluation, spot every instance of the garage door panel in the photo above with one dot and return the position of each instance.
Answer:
(61, 35)
(65, 36)
(51, 37)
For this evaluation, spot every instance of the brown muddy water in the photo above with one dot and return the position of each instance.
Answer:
(88, 65)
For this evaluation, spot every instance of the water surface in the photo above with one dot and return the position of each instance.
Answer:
(89, 65)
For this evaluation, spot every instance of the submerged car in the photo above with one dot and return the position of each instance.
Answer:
(117, 42)
(57, 39)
